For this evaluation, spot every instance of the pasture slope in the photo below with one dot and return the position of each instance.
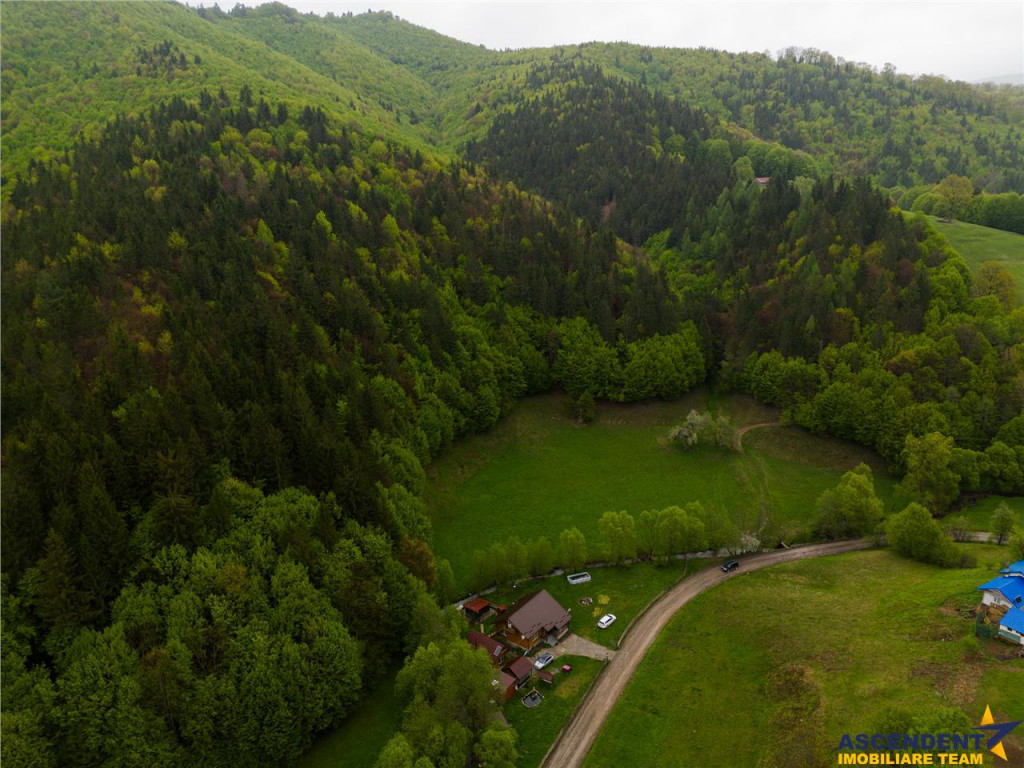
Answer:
(877, 640)
(979, 244)
(576, 739)
(537, 473)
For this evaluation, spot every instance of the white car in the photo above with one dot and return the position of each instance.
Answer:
(606, 621)
(543, 660)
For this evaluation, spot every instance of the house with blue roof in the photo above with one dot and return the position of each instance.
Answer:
(1011, 626)
(1004, 590)
(1014, 569)
(1004, 596)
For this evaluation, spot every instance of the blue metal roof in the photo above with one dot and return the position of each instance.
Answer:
(1014, 619)
(1011, 587)
(1017, 567)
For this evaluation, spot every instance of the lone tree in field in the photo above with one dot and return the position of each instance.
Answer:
(851, 509)
(702, 428)
(1003, 522)
(915, 534)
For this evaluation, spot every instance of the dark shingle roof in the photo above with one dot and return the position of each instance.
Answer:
(520, 668)
(480, 640)
(534, 612)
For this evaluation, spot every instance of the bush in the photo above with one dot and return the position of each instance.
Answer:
(916, 535)
(958, 528)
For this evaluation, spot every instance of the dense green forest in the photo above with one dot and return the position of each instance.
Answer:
(804, 107)
(251, 290)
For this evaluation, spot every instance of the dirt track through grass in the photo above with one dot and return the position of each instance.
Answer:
(575, 740)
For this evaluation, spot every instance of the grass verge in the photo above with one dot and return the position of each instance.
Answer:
(865, 631)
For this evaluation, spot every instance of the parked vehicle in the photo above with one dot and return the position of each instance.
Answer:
(606, 621)
(543, 660)
(578, 578)
(730, 565)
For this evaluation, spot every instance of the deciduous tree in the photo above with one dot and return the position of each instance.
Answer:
(618, 530)
(915, 534)
(573, 548)
(930, 478)
(850, 509)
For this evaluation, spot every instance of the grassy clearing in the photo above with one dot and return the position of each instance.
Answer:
(980, 244)
(623, 590)
(871, 629)
(539, 726)
(979, 513)
(538, 473)
(357, 742)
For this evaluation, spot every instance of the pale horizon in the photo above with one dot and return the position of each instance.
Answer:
(968, 41)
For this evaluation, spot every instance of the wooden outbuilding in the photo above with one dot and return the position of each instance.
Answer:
(531, 619)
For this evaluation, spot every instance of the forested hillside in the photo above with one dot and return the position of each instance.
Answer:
(251, 289)
(430, 90)
(226, 290)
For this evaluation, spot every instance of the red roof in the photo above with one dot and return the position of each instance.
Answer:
(493, 647)
(506, 681)
(520, 668)
(477, 604)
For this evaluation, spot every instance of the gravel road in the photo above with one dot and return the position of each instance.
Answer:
(575, 740)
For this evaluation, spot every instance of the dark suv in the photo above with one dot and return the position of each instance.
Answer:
(730, 565)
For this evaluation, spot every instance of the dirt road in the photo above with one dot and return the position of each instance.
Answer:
(575, 740)
(737, 437)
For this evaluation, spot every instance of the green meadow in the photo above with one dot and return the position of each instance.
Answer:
(980, 244)
(868, 631)
(979, 512)
(357, 742)
(538, 473)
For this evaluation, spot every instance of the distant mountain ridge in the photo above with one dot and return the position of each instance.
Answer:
(434, 93)
(1015, 79)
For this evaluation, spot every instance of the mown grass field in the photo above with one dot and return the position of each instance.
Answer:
(538, 473)
(870, 629)
(357, 742)
(979, 513)
(538, 727)
(980, 244)
(624, 590)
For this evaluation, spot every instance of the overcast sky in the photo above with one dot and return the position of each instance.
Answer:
(961, 40)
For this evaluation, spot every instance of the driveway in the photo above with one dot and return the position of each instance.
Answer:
(575, 740)
(580, 646)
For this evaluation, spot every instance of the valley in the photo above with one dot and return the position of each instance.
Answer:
(313, 327)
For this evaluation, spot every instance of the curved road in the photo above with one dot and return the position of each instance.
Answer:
(575, 740)
(738, 435)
